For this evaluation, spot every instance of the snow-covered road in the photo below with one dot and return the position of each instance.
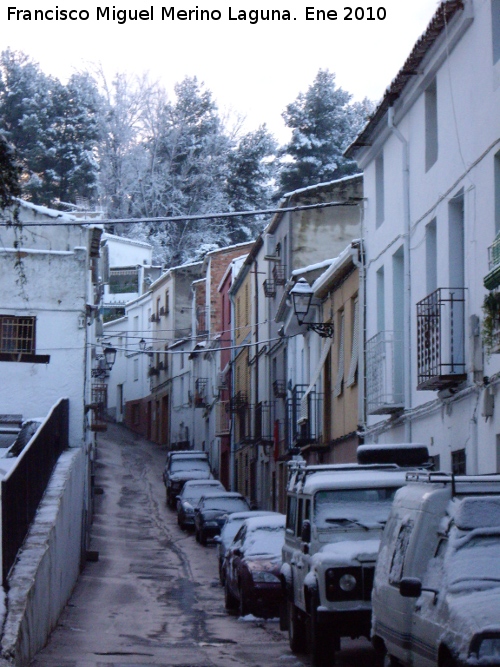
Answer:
(153, 597)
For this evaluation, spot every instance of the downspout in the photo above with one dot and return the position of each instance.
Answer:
(258, 486)
(358, 258)
(407, 272)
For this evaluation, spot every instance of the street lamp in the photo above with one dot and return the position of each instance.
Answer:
(302, 296)
(142, 345)
(110, 356)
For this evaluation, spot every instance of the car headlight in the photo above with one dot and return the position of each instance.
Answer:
(488, 647)
(265, 577)
(347, 582)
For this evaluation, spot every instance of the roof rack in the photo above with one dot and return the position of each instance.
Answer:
(460, 484)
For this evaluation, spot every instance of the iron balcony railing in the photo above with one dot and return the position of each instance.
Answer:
(222, 418)
(441, 339)
(304, 417)
(279, 274)
(202, 314)
(384, 373)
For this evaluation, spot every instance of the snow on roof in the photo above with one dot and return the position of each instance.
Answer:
(124, 239)
(273, 520)
(319, 186)
(313, 267)
(232, 266)
(35, 251)
(49, 212)
(335, 265)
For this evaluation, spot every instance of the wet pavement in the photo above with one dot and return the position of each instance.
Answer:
(153, 597)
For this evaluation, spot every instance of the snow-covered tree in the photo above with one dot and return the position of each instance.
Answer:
(53, 128)
(323, 123)
(9, 174)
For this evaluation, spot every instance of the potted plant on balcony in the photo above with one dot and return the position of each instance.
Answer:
(491, 323)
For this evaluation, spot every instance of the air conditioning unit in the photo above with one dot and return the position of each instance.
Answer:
(221, 381)
(270, 247)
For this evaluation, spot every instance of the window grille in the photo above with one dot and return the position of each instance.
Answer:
(17, 334)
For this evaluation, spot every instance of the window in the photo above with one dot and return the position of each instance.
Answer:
(18, 338)
(167, 302)
(380, 300)
(136, 370)
(431, 257)
(431, 126)
(458, 466)
(339, 382)
(379, 190)
(495, 29)
(353, 366)
(498, 451)
(496, 167)
(17, 334)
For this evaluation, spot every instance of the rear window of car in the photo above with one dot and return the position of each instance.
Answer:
(180, 465)
(226, 504)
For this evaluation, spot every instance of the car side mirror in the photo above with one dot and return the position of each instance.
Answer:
(217, 538)
(305, 534)
(410, 587)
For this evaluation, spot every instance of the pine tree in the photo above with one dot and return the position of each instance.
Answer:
(323, 123)
(53, 128)
(9, 174)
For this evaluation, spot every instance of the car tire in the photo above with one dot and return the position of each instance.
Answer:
(230, 602)
(203, 538)
(243, 607)
(222, 578)
(180, 522)
(297, 631)
(321, 643)
(197, 534)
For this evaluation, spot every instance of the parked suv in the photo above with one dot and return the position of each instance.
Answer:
(436, 595)
(180, 467)
(335, 518)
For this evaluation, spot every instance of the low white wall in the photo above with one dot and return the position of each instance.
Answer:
(49, 563)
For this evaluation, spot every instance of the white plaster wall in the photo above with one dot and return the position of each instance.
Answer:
(46, 572)
(54, 292)
(125, 252)
(468, 138)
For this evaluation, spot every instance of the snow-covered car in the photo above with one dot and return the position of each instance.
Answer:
(212, 510)
(436, 594)
(189, 497)
(335, 518)
(253, 562)
(228, 532)
(182, 466)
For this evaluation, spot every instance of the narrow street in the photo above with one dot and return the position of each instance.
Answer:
(153, 596)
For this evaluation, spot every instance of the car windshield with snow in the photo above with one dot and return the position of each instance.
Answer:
(252, 583)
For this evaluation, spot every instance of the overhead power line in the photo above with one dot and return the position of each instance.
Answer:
(183, 218)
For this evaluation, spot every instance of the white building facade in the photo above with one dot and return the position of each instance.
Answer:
(431, 161)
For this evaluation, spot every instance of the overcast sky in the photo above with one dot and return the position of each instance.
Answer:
(253, 69)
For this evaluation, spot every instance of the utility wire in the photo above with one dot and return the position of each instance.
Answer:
(182, 218)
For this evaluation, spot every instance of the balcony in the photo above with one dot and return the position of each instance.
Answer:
(222, 419)
(269, 288)
(279, 274)
(304, 417)
(202, 315)
(200, 392)
(238, 402)
(124, 281)
(384, 373)
(441, 339)
(492, 279)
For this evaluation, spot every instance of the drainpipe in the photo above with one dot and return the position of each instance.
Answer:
(358, 258)
(407, 271)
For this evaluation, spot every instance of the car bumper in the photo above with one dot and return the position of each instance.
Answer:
(265, 598)
(348, 623)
